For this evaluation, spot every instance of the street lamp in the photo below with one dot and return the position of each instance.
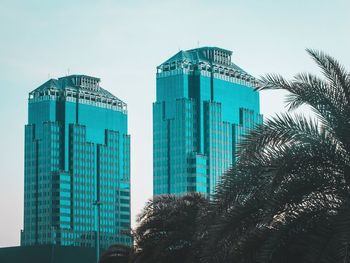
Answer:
(53, 236)
(98, 203)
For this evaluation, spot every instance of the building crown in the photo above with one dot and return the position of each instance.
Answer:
(207, 59)
(84, 88)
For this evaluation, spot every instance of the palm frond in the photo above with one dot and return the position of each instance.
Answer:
(334, 72)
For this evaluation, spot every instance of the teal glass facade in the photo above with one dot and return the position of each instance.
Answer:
(77, 151)
(204, 104)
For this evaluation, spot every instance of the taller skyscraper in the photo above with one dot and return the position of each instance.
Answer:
(204, 104)
(77, 152)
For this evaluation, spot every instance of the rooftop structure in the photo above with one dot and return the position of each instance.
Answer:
(208, 59)
(87, 87)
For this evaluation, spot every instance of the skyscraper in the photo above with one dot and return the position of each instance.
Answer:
(77, 152)
(204, 104)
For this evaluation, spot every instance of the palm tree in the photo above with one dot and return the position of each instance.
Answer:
(288, 197)
(116, 254)
(167, 229)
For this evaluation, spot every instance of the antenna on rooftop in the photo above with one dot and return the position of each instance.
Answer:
(67, 71)
(197, 43)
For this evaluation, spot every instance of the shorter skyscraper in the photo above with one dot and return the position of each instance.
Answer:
(204, 104)
(77, 152)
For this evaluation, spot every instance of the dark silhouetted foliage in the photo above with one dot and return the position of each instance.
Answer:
(167, 229)
(287, 199)
(116, 254)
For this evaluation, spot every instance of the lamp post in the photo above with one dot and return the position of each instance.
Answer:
(53, 236)
(98, 203)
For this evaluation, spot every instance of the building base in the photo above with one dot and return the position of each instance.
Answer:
(47, 254)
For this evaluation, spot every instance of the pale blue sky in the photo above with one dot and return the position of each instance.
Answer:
(122, 42)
